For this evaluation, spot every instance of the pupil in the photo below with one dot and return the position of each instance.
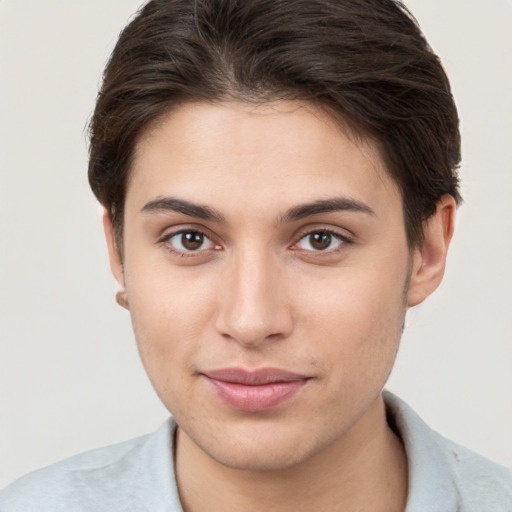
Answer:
(192, 240)
(320, 240)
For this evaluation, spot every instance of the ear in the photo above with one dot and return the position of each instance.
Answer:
(116, 262)
(429, 259)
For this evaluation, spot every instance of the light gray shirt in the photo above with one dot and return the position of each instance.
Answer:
(138, 475)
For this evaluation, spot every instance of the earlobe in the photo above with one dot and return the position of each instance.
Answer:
(429, 260)
(116, 262)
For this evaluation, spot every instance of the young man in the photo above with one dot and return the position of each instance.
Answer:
(279, 184)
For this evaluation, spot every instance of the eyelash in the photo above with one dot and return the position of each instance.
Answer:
(343, 241)
(165, 240)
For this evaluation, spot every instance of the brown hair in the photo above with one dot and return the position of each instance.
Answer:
(366, 60)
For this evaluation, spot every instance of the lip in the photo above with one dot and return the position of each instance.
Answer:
(255, 390)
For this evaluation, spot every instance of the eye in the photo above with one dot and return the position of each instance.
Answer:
(320, 241)
(189, 241)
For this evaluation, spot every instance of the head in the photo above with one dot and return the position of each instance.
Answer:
(279, 186)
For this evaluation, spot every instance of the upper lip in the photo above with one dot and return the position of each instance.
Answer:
(257, 377)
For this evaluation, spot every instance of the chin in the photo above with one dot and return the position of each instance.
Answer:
(261, 459)
(262, 446)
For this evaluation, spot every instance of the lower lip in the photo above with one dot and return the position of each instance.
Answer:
(256, 398)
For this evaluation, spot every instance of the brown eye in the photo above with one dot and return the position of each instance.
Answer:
(190, 241)
(320, 241)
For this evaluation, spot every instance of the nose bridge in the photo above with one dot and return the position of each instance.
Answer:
(252, 304)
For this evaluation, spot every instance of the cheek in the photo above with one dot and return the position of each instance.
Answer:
(354, 333)
(356, 318)
(170, 314)
(169, 320)
(353, 299)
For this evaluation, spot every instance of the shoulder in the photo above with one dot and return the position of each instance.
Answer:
(113, 478)
(443, 475)
(481, 483)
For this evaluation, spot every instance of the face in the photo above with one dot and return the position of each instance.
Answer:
(267, 274)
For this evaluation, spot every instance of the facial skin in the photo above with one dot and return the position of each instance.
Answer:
(262, 283)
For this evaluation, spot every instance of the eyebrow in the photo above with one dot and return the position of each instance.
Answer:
(326, 206)
(171, 204)
(164, 204)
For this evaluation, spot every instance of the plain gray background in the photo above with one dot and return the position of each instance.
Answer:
(70, 378)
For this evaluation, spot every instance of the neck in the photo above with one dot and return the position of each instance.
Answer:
(365, 469)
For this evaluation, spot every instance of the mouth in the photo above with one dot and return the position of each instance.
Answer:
(254, 391)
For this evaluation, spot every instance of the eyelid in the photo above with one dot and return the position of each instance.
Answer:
(165, 237)
(341, 235)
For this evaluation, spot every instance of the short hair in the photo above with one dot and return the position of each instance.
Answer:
(366, 61)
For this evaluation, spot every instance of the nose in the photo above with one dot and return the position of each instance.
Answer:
(253, 307)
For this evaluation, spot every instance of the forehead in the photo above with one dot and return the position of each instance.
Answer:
(273, 153)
